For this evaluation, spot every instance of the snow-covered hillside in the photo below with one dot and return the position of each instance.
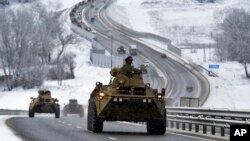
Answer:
(182, 21)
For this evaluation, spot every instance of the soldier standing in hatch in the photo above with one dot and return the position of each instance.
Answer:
(127, 68)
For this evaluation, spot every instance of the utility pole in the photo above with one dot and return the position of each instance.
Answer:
(111, 50)
(204, 53)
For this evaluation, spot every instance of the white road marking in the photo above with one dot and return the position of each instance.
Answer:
(131, 123)
(112, 138)
(69, 124)
(78, 127)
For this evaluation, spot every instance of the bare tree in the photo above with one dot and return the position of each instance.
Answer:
(28, 36)
(68, 61)
(64, 40)
(22, 37)
(234, 39)
(6, 51)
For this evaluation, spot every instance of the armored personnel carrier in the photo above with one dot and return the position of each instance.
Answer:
(73, 108)
(121, 50)
(127, 99)
(44, 103)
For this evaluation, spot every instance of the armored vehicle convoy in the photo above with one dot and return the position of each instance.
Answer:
(44, 103)
(73, 108)
(127, 99)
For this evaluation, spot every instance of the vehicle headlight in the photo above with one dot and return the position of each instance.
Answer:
(121, 81)
(102, 94)
(159, 96)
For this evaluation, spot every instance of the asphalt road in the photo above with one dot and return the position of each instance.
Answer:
(179, 78)
(73, 128)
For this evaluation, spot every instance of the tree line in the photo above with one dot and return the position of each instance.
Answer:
(233, 38)
(32, 46)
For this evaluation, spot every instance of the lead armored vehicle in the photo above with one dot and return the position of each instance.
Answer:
(73, 108)
(127, 99)
(44, 103)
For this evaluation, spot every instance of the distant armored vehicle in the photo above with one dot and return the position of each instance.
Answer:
(143, 69)
(73, 108)
(44, 103)
(121, 50)
(163, 56)
(127, 99)
(133, 50)
(87, 29)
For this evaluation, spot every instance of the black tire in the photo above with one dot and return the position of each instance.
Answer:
(157, 126)
(95, 124)
(31, 114)
(57, 113)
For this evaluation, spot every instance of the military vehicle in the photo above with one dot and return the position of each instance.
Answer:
(133, 50)
(73, 108)
(87, 29)
(44, 103)
(127, 99)
(163, 56)
(92, 19)
(143, 69)
(121, 50)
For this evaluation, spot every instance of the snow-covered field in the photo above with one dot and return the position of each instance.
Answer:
(182, 21)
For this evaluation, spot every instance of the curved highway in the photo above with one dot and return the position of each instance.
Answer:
(179, 77)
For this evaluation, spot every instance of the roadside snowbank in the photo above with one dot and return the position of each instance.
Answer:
(6, 134)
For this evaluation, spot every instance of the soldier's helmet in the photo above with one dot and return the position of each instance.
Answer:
(114, 71)
(128, 59)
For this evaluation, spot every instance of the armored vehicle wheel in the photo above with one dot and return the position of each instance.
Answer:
(31, 114)
(57, 113)
(95, 124)
(157, 126)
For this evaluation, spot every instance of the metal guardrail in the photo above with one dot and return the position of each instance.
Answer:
(205, 112)
(201, 120)
(12, 112)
